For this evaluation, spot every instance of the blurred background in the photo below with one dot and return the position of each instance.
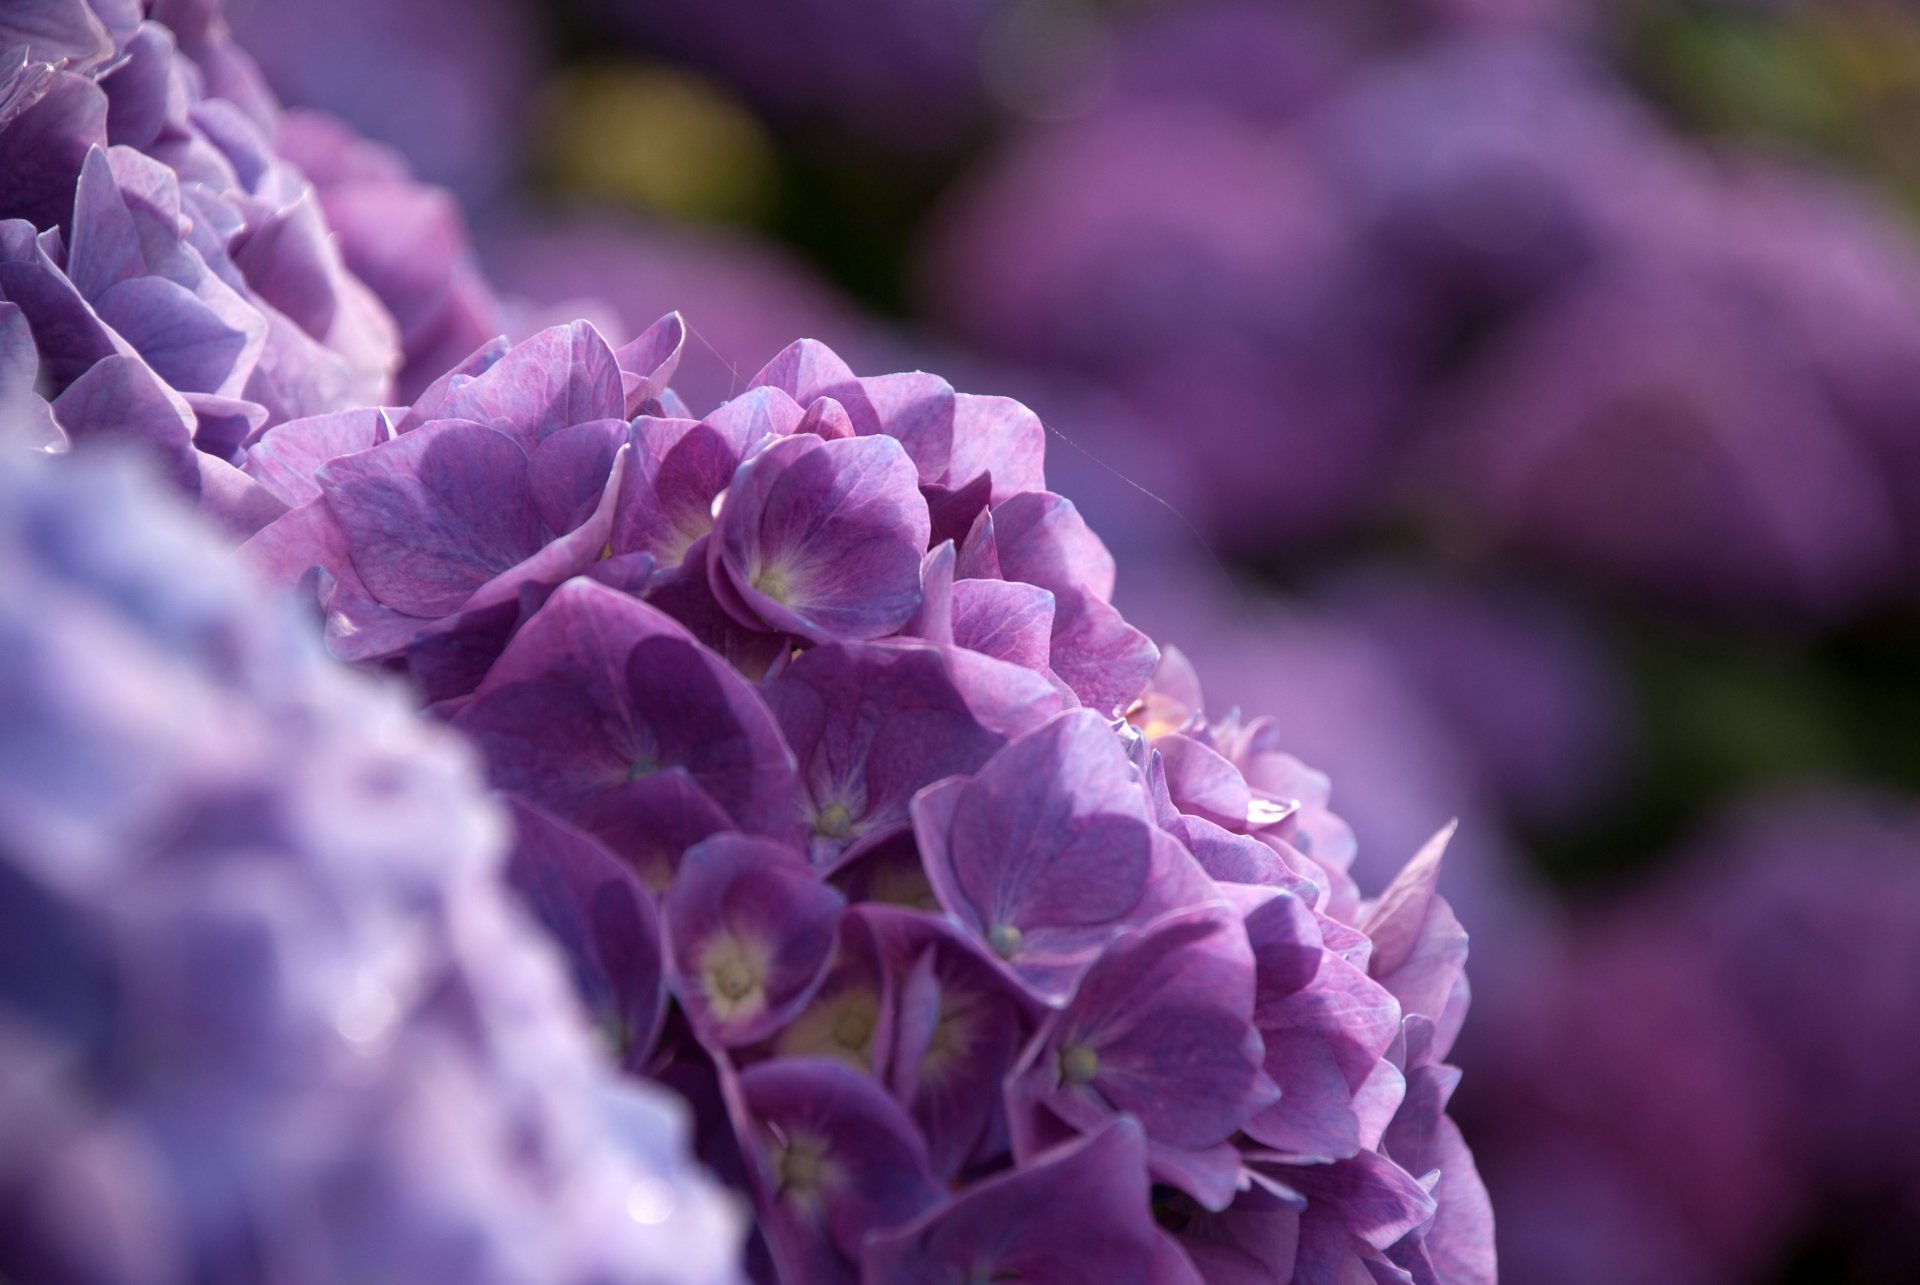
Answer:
(1520, 398)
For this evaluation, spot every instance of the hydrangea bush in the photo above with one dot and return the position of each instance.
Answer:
(870, 825)
(265, 1010)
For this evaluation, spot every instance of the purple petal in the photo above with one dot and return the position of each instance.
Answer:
(43, 148)
(1419, 948)
(1161, 1028)
(840, 1160)
(686, 594)
(916, 410)
(221, 424)
(807, 370)
(1324, 1042)
(954, 510)
(1378, 1201)
(1233, 858)
(234, 502)
(563, 375)
(824, 539)
(684, 465)
(53, 31)
(749, 935)
(426, 407)
(1314, 1119)
(1285, 941)
(872, 724)
(450, 657)
(960, 1024)
(605, 711)
(933, 618)
(286, 458)
(1077, 1215)
(185, 342)
(1043, 540)
(121, 400)
(1047, 852)
(570, 469)
(1459, 1243)
(435, 514)
(1203, 782)
(648, 362)
(104, 248)
(849, 1018)
(1098, 654)
(603, 920)
(70, 339)
(997, 435)
(1006, 619)
(827, 419)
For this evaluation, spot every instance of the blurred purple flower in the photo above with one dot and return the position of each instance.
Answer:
(1738, 449)
(1482, 170)
(447, 84)
(1627, 1117)
(1805, 907)
(1229, 295)
(407, 240)
(265, 1011)
(946, 871)
(1522, 681)
(176, 278)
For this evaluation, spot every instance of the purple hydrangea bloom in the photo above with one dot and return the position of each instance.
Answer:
(448, 84)
(1629, 1121)
(853, 498)
(1483, 170)
(176, 276)
(955, 888)
(266, 1011)
(502, 478)
(168, 272)
(405, 239)
(1745, 447)
(1231, 294)
(1803, 907)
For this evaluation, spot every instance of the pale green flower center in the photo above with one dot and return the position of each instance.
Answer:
(1079, 1064)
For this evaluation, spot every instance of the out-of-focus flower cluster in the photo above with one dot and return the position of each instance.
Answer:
(266, 1010)
(871, 826)
(1468, 279)
(169, 276)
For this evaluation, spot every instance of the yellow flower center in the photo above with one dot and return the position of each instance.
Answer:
(733, 973)
(835, 821)
(1079, 1064)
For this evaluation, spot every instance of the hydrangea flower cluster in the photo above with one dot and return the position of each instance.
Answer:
(266, 1012)
(873, 827)
(166, 275)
